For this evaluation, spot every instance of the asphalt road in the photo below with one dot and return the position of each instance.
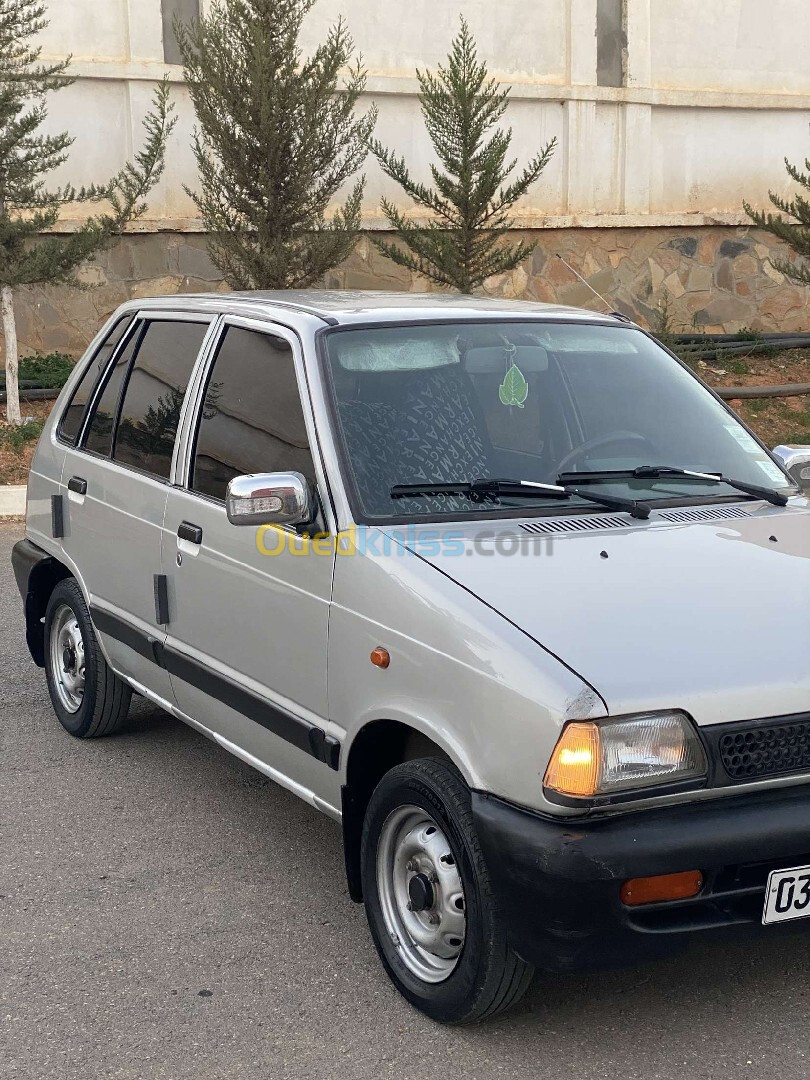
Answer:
(167, 912)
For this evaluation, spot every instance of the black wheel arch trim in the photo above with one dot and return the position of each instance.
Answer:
(25, 555)
(36, 573)
(300, 733)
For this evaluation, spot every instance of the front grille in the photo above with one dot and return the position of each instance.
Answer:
(768, 750)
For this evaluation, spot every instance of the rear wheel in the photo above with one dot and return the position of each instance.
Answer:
(88, 698)
(434, 919)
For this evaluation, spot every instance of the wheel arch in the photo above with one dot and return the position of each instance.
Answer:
(376, 747)
(43, 575)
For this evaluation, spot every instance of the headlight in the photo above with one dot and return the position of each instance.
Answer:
(625, 754)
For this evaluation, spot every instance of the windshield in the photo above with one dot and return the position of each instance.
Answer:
(448, 403)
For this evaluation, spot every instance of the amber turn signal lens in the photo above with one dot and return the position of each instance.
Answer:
(652, 890)
(575, 764)
(380, 657)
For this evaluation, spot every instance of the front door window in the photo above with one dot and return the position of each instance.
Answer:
(251, 420)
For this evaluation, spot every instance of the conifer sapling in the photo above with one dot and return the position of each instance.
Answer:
(30, 253)
(796, 233)
(462, 243)
(277, 139)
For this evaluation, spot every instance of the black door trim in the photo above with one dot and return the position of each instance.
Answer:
(129, 635)
(293, 729)
(161, 589)
(57, 517)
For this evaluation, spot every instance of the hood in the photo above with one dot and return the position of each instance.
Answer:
(708, 616)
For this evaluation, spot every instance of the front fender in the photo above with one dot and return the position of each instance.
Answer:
(479, 687)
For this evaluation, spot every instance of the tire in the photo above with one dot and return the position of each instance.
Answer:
(421, 865)
(89, 700)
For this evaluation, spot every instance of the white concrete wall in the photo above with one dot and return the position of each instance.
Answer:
(749, 46)
(718, 92)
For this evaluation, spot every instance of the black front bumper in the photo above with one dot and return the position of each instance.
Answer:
(558, 881)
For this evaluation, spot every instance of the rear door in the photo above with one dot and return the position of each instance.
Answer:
(248, 608)
(115, 481)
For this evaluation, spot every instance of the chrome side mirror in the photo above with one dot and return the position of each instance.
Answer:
(796, 460)
(269, 499)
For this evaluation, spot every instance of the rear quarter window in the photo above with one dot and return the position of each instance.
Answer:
(71, 420)
(98, 437)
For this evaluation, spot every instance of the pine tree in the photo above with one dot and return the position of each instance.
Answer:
(277, 138)
(462, 244)
(795, 233)
(27, 208)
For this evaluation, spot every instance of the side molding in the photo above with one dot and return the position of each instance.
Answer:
(300, 733)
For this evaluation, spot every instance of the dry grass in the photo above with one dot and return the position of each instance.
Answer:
(17, 444)
(775, 420)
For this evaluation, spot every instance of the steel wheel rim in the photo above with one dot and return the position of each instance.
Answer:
(421, 894)
(67, 659)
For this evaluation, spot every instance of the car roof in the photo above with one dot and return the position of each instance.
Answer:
(345, 307)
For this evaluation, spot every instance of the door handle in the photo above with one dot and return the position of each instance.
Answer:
(77, 484)
(189, 532)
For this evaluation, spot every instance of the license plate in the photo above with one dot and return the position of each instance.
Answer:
(788, 895)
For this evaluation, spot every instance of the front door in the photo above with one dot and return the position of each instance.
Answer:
(115, 484)
(248, 608)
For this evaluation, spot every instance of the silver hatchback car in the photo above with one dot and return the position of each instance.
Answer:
(502, 587)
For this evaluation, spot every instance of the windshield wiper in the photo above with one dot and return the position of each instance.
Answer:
(480, 489)
(655, 472)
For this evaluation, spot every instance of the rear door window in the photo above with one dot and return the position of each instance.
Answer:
(154, 393)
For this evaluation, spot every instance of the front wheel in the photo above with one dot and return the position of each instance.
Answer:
(429, 902)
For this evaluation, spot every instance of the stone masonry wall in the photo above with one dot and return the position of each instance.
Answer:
(712, 278)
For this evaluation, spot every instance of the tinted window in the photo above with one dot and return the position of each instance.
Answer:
(100, 432)
(71, 421)
(252, 420)
(154, 394)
